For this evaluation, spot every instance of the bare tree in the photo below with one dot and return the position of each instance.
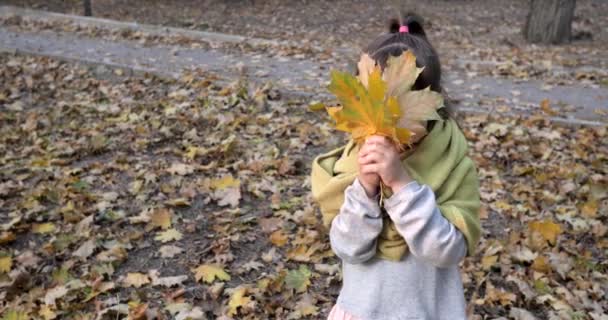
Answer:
(549, 21)
(87, 8)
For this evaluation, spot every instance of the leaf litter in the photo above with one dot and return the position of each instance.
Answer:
(146, 197)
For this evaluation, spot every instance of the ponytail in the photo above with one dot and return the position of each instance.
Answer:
(412, 21)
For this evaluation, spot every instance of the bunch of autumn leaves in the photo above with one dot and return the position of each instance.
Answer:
(383, 103)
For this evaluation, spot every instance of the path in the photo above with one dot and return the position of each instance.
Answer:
(295, 73)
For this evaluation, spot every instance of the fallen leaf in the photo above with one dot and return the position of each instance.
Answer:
(208, 273)
(136, 279)
(161, 218)
(298, 279)
(168, 235)
(540, 264)
(6, 263)
(521, 314)
(85, 250)
(546, 108)
(55, 293)
(547, 229)
(43, 228)
(487, 262)
(166, 281)
(278, 238)
(181, 169)
(226, 191)
(170, 251)
(306, 306)
(238, 299)
(11, 314)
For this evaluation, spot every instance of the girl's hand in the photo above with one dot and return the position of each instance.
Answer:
(369, 181)
(379, 156)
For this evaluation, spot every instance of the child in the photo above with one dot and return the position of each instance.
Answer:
(400, 251)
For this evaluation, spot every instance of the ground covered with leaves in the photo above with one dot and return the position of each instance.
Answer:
(156, 198)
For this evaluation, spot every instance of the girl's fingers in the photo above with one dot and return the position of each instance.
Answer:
(371, 157)
(364, 150)
(369, 168)
(378, 140)
(373, 147)
(367, 149)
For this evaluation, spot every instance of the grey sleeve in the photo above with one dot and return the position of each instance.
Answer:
(354, 231)
(429, 235)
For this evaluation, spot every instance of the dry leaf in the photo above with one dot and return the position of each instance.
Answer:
(180, 169)
(136, 279)
(209, 273)
(545, 106)
(170, 251)
(306, 306)
(85, 250)
(238, 299)
(488, 261)
(166, 281)
(547, 229)
(5, 264)
(278, 238)
(47, 312)
(43, 228)
(168, 235)
(54, 294)
(298, 279)
(161, 218)
(227, 191)
(6, 237)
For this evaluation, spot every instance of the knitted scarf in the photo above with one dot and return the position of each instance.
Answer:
(439, 161)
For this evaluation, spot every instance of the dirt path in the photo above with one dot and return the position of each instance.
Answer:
(40, 34)
(473, 30)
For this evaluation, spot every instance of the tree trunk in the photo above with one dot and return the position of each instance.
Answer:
(549, 21)
(87, 8)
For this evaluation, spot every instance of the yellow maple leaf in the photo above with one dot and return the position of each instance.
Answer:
(5, 264)
(549, 230)
(364, 112)
(47, 312)
(42, 228)
(209, 273)
(136, 279)
(590, 209)
(15, 315)
(168, 235)
(488, 262)
(224, 182)
(541, 264)
(382, 103)
(278, 238)
(238, 299)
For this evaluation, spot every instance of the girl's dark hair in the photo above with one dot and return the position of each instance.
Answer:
(394, 43)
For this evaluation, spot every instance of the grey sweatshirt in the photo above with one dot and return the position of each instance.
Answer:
(425, 283)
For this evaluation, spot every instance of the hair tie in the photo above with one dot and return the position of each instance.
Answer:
(404, 29)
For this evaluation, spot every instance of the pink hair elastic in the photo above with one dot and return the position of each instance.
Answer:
(404, 29)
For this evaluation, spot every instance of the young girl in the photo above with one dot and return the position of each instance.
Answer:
(400, 250)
